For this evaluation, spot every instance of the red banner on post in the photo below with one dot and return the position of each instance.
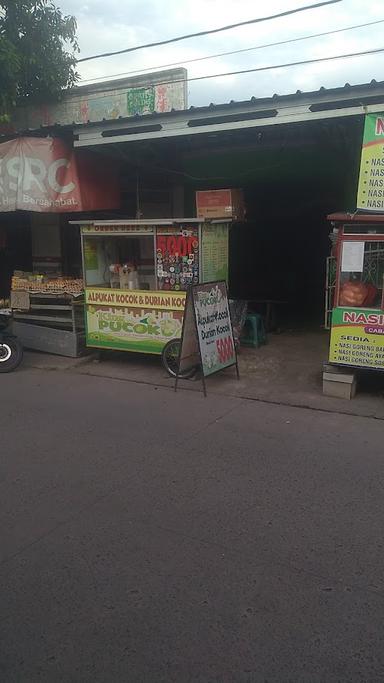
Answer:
(46, 175)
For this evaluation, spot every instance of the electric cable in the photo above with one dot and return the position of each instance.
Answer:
(210, 31)
(232, 52)
(258, 69)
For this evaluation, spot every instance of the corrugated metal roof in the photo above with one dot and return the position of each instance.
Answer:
(347, 88)
(351, 92)
(256, 113)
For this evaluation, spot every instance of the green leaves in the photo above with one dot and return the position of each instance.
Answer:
(37, 53)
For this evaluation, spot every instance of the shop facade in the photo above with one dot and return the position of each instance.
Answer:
(43, 184)
(295, 158)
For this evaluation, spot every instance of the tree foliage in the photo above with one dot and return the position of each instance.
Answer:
(37, 52)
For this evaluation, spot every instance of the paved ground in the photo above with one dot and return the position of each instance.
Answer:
(150, 536)
(287, 371)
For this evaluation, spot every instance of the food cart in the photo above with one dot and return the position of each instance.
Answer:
(357, 329)
(48, 312)
(136, 274)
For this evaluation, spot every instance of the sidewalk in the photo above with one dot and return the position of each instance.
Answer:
(286, 371)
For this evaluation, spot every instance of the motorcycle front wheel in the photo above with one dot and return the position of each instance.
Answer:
(11, 354)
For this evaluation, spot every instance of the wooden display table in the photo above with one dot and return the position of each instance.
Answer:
(53, 323)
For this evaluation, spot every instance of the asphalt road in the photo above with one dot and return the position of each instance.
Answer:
(150, 536)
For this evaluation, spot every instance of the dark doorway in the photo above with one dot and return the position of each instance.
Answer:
(16, 253)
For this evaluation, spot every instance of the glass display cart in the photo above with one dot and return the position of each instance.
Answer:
(136, 275)
(357, 328)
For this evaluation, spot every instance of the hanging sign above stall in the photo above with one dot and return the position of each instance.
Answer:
(46, 175)
(370, 194)
(207, 338)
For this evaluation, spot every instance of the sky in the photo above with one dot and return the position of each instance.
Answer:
(107, 25)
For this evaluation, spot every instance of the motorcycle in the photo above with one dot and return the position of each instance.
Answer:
(11, 349)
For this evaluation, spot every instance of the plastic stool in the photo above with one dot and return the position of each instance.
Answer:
(254, 331)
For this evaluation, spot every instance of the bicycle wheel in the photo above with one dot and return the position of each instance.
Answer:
(170, 360)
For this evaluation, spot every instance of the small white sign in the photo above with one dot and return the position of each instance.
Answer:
(353, 257)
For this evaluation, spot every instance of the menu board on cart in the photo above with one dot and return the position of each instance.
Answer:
(214, 250)
(207, 337)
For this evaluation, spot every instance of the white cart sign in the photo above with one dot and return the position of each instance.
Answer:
(214, 328)
(207, 337)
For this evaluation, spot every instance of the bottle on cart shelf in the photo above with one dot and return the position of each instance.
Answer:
(128, 277)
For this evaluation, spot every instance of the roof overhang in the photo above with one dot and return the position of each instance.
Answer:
(356, 217)
(252, 114)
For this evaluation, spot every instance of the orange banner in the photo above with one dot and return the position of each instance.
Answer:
(46, 175)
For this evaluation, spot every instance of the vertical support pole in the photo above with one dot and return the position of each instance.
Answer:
(204, 383)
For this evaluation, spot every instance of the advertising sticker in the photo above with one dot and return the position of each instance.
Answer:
(357, 338)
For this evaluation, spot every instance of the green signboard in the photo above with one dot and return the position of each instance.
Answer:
(90, 255)
(357, 338)
(370, 194)
(141, 100)
(132, 320)
(215, 252)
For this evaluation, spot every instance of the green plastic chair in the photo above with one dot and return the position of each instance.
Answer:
(253, 331)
